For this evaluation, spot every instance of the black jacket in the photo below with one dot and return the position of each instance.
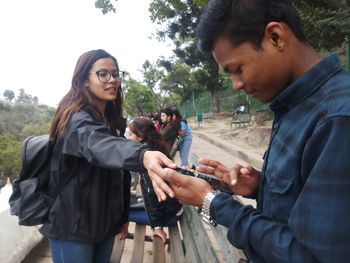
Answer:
(94, 204)
(159, 213)
(169, 131)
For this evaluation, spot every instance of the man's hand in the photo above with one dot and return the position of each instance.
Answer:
(188, 190)
(154, 162)
(244, 180)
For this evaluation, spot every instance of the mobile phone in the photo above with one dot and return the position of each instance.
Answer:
(216, 183)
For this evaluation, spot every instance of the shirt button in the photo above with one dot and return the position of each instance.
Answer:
(275, 126)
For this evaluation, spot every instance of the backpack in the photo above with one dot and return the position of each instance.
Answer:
(30, 199)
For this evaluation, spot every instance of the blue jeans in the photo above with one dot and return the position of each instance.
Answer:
(185, 148)
(73, 252)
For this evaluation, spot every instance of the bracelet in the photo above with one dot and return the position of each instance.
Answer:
(205, 211)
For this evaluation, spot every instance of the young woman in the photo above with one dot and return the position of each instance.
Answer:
(159, 214)
(185, 138)
(93, 206)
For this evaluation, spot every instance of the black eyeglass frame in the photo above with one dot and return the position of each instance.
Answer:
(114, 74)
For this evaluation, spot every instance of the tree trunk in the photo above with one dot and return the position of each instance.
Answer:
(213, 85)
(215, 106)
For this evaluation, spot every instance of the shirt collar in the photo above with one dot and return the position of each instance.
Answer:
(307, 84)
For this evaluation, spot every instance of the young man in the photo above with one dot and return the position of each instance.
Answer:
(302, 191)
(169, 129)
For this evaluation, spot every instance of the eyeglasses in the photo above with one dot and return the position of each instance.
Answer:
(104, 75)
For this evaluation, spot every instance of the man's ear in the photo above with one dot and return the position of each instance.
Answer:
(275, 34)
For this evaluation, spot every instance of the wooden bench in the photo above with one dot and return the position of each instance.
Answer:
(189, 241)
(139, 238)
(208, 116)
(241, 118)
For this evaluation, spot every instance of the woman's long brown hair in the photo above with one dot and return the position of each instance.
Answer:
(79, 97)
(145, 129)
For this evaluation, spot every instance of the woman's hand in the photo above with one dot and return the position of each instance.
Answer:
(160, 233)
(154, 162)
(123, 234)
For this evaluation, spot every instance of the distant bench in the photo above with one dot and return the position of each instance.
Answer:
(208, 116)
(240, 118)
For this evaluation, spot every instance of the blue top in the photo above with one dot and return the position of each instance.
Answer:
(304, 199)
(184, 127)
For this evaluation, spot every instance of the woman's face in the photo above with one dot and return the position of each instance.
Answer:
(103, 81)
(132, 136)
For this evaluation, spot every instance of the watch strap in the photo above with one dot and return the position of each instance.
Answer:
(205, 211)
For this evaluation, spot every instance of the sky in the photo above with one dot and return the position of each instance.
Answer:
(41, 40)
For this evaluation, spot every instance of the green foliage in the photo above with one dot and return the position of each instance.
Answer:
(138, 99)
(326, 23)
(17, 121)
(20, 115)
(4, 106)
(325, 28)
(9, 155)
(105, 5)
(24, 98)
(9, 95)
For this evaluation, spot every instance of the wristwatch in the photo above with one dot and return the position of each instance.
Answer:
(205, 211)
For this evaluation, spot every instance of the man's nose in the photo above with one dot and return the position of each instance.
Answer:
(237, 84)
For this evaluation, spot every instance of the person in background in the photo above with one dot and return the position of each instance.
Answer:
(185, 138)
(159, 214)
(302, 192)
(88, 149)
(157, 121)
(169, 128)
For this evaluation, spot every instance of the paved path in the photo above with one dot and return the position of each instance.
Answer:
(202, 148)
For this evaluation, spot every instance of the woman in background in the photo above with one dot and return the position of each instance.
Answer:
(185, 138)
(159, 214)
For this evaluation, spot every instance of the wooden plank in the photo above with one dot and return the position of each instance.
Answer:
(117, 251)
(176, 248)
(158, 250)
(231, 254)
(193, 229)
(139, 244)
(191, 251)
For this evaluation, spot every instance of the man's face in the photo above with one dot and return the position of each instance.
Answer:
(165, 118)
(260, 73)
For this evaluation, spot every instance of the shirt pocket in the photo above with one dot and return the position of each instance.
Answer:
(279, 182)
(279, 195)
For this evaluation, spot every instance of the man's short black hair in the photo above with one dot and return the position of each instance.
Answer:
(244, 21)
(168, 112)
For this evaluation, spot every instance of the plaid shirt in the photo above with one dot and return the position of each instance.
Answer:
(303, 206)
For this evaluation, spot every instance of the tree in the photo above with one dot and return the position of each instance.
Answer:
(9, 95)
(9, 155)
(326, 23)
(151, 76)
(24, 98)
(138, 99)
(180, 18)
(105, 5)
